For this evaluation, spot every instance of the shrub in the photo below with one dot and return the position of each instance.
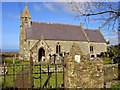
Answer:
(115, 87)
(9, 60)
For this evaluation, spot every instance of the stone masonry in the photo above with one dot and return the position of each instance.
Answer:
(85, 73)
(111, 75)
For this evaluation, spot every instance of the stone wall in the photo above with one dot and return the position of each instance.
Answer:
(110, 72)
(50, 47)
(111, 75)
(81, 72)
(85, 46)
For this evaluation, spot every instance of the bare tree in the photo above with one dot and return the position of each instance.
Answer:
(106, 13)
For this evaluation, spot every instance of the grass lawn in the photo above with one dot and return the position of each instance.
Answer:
(107, 60)
(36, 69)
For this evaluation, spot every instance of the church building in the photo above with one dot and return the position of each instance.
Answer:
(47, 39)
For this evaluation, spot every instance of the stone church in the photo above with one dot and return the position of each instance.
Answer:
(45, 40)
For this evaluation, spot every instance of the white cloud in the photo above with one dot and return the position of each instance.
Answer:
(51, 6)
(36, 7)
(67, 7)
(59, 7)
(63, 6)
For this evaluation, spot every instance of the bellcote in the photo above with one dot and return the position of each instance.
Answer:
(25, 16)
(26, 12)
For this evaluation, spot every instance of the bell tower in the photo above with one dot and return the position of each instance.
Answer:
(25, 21)
(25, 17)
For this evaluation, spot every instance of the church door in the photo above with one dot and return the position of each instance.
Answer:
(41, 54)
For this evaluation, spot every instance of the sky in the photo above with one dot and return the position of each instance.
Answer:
(41, 12)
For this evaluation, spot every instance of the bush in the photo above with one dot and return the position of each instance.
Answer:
(114, 53)
(9, 60)
(116, 59)
(115, 87)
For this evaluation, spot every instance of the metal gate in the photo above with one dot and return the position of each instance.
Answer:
(33, 75)
(48, 76)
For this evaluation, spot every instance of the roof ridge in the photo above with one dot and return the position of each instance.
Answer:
(91, 29)
(56, 23)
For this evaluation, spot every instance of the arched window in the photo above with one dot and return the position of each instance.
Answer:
(91, 48)
(41, 53)
(58, 48)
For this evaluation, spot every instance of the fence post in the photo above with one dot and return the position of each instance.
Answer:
(56, 75)
(4, 77)
(22, 76)
(63, 65)
(40, 76)
(118, 71)
(31, 71)
(55, 69)
(13, 73)
(48, 76)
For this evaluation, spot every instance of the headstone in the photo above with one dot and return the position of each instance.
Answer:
(77, 58)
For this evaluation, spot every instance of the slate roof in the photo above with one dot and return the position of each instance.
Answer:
(52, 31)
(94, 35)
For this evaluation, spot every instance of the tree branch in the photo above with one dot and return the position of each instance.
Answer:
(118, 13)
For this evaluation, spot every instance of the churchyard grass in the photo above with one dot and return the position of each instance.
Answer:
(107, 60)
(52, 80)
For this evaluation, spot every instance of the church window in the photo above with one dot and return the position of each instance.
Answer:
(91, 48)
(58, 48)
(41, 53)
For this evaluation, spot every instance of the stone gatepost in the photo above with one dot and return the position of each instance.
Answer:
(81, 72)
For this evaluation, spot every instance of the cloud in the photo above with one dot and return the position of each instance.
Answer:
(11, 15)
(59, 7)
(69, 8)
(64, 7)
(36, 7)
(51, 6)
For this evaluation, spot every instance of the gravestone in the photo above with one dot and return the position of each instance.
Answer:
(81, 72)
